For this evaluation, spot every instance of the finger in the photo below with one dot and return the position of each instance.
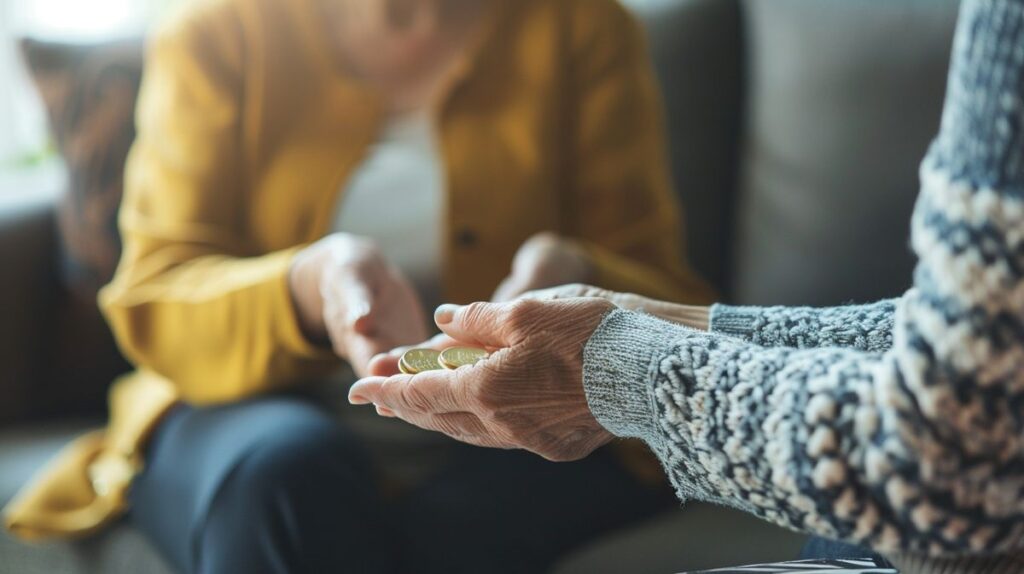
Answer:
(507, 290)
(358, 295)
(480, 324)
(384, 365)
(545, 294)
(428, 392)
(570, 291)
(438, 342)
(361, 350)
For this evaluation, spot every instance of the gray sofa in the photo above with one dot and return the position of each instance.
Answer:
(796, 128)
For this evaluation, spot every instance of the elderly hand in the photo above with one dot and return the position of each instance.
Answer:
(544, 260)
(345, 290)
(692, 316)
(528, 394)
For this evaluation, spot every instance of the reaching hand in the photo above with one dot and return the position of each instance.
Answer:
(528, 394)
(545, 260)
(346, 291)
(692, 316)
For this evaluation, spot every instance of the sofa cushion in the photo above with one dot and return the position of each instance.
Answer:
(89, 92)
(843, 100)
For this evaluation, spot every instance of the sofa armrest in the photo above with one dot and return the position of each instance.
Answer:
(27, 287)
(57, 355)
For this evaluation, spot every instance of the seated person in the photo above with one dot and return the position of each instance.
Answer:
(894, 425)
(308, 177)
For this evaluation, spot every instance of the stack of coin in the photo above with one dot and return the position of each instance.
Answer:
(419, 360)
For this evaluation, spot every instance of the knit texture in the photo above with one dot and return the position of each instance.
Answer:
(899, 425)
(864, 327)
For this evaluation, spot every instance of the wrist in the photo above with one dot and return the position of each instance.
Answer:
(304, 277)
(694, 316)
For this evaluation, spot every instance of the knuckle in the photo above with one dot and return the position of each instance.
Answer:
(540, 243)
(522, 313)
(577, 289)
(488, 407)
(481, 392)
(474, 312)
(391, 392)
(414, 397)
(544, 238)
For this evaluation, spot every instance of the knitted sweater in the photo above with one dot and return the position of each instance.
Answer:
(900, 424)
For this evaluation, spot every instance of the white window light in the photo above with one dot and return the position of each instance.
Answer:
(80, 20)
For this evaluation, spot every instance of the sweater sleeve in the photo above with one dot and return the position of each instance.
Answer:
(865, 327)
(189, 283)
(919, 448)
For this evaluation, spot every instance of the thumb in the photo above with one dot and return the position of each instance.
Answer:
(480, 324)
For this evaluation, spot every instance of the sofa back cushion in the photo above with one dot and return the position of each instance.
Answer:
(843, 100)
(89, 93)
(697, 50)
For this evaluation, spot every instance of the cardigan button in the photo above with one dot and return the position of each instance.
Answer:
(466, 237)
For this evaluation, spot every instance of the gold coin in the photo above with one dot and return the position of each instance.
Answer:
(418, 360)
(455, 357)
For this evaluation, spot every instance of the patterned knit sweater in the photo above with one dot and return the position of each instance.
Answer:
(900, 424)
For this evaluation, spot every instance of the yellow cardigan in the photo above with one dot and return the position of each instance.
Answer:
(247, 130)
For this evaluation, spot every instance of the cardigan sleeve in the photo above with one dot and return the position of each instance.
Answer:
(865, 327)
(189, 300)
(918, 448)
(621, 206)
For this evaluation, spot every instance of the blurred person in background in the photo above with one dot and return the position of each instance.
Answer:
(308, 178)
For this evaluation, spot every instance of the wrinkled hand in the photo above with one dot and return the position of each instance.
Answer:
(528, 394)
(346, 291)
(544, 260)
(693, 316)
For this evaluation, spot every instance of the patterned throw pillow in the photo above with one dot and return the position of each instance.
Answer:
(89, 92)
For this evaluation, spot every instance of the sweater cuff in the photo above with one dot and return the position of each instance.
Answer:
(619, 364)
(733, 321)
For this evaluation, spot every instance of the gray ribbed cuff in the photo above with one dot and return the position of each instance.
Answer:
(619, 363)
(734, 321)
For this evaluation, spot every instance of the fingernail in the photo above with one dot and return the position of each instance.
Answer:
(445, 313)
(358, 400)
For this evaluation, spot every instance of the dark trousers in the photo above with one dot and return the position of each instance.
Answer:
(278, 485)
